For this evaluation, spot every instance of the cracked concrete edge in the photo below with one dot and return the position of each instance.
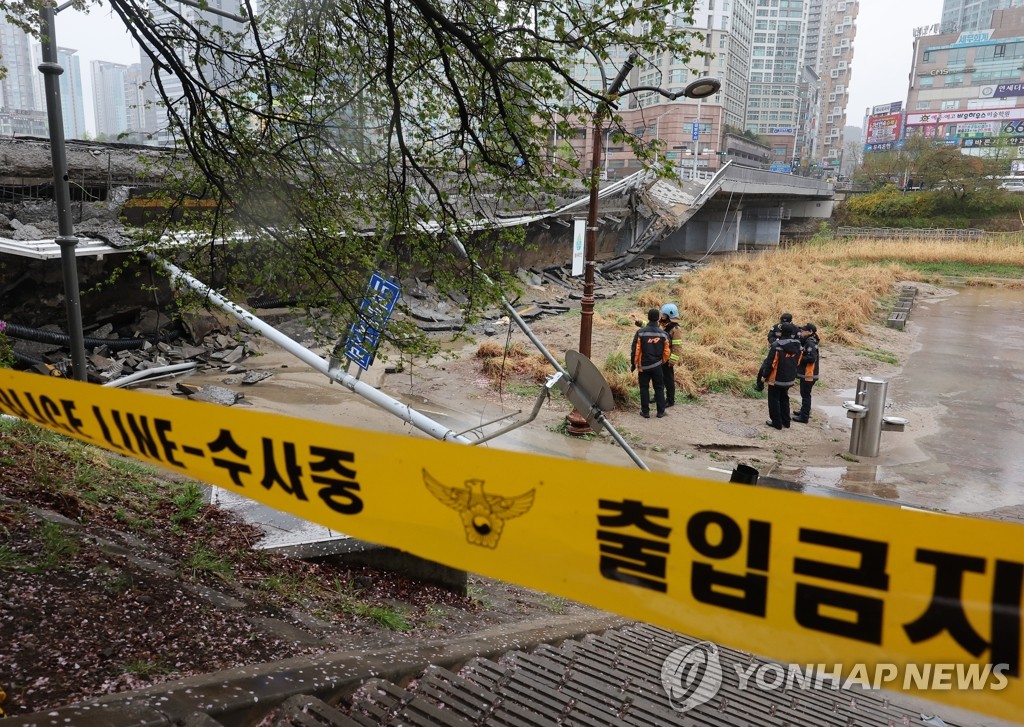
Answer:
(244, 695)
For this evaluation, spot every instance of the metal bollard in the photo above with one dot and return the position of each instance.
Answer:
(867, 411)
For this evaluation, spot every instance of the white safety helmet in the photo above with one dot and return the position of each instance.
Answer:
(670, 310)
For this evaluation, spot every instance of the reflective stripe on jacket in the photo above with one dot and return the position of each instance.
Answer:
(675, 336)
(779, 367)
(651, 347)
(807, 367)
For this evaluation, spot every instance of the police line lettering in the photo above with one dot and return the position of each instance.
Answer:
(803, 579)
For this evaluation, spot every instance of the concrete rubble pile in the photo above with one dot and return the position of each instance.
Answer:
(208, 341)
(549, 291)
(219, 342)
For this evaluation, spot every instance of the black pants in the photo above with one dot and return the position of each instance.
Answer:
(654, 376)
(670, 385)
(805, 398)
(778, 405)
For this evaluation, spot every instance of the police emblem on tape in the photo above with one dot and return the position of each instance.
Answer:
(483, 515)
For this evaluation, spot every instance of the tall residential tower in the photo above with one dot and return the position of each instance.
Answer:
(776, 69)
(960, 15)
(692, 132)
(832, 29)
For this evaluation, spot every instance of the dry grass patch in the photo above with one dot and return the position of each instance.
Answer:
(1007, 250)
(500, 362)
(727, 308)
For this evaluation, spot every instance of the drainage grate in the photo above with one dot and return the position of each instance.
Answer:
(600, 681)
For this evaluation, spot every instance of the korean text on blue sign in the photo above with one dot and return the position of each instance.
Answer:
(374, 310)
(696, 130)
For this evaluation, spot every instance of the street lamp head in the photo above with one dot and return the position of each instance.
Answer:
(702, 88)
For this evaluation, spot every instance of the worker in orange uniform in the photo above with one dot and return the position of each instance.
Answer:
(651, 350)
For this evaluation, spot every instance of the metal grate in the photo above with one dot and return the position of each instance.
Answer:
(601, 681)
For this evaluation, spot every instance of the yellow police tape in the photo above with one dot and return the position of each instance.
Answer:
(900, 599)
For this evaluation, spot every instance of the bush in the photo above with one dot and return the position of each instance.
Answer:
(889, 207)
(6, 352)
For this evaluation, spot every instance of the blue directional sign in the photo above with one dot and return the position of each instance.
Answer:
(780, 168)
(696, 130)
(374, 310)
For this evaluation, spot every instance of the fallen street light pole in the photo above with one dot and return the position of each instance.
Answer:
(561, 378)
(368, 392)
(393, 406)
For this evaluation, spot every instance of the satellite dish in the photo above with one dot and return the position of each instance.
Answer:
(587, 391)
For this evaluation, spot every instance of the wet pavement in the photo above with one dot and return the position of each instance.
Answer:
(963, 391)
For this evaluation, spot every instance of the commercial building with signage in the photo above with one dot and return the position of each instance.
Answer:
(967, 87)
(883, 130)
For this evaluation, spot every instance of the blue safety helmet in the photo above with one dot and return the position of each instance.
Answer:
(670, 310)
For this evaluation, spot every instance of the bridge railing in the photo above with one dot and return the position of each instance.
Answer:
(906, 233)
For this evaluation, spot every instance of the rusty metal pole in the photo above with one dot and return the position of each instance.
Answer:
(576, 424)
(590, 243)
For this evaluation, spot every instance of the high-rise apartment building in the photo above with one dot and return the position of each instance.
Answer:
(829, 40)
(156, 113)
(119, 99)
(785, 68)
(692, 132)
(135, 100)
(21, 108)
(774, 101)
(108, 97)
(72, 101)
(961, 15)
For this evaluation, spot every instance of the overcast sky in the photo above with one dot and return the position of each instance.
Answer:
(883, 51)
(881, 64)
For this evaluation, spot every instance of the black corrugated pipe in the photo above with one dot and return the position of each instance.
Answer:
(13, 330)
(26, 361)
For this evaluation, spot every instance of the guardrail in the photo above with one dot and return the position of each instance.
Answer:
(902, 233)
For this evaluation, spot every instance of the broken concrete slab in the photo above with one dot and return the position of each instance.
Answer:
(254, 377)
(217, 395)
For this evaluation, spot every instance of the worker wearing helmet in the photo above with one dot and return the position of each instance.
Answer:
(775, 332)
(670, 324)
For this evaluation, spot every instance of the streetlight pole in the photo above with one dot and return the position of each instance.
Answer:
(797, 156)
(698, 89)
(66, 239)
(696, 138)
(590, 241)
